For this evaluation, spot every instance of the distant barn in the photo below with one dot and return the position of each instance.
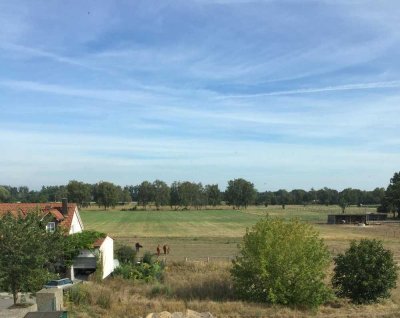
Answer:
(356, 218)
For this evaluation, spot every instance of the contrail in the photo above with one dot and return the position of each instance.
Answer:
(361, 86)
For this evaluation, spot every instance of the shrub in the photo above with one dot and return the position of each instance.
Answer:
(79, 295)
(143, 271)
(282, 262)
(365, 272)
(148, 258)
(126, 254)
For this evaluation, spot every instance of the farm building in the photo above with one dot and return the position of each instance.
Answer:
(356, 218)
(67, 215)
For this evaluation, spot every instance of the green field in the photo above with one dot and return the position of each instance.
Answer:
(199, 234)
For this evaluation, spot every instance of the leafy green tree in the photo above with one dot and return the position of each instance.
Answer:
(4, 194)
(145, 193)
(79, 193)
(106, 194)
(365, 272)
(213, 194)
(174, 195)
(282, 262)
(392, 195)
(240, 193)
(343, 204)
(27, 251)
(161, 193)
(126, 195)
(190, 194)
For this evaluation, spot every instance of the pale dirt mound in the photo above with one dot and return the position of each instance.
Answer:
(188, 314)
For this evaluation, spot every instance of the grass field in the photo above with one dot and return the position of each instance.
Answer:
(216, 233)
(213, 235)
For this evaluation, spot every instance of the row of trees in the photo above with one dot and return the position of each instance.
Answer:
(239, 193)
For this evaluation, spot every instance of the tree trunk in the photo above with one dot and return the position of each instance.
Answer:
(15, 294)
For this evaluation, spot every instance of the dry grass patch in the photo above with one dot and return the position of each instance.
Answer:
(202, 287)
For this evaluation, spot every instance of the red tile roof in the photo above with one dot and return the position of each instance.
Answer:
(99, 242)
(54, 208)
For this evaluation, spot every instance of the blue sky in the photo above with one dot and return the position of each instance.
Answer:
(287, 94)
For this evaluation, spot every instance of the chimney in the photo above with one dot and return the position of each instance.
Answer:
(64, 207)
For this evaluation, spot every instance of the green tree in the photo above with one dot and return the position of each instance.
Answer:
(79, 193)
(126, 195)
(365, 272)
(392, 195)
(145, 193)
(282, 262)
(190, 194)
(4, 194)
(106, 194)
(240, 193)
(174, 195)
(161, 193)
(213, 194)
(27, 251)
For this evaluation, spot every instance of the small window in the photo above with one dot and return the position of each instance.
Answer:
(51, 227)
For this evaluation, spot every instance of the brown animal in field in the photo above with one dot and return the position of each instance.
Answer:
(158, 250)
(166, 249)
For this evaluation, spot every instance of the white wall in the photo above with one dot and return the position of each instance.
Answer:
(76, 225)
(107, 252)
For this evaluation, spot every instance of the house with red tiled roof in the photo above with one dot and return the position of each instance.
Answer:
(66, 215)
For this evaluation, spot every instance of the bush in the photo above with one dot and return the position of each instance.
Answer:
(126, 254)
(143, 271)
(282, 262)
(365, 272)
(148, 258)
(79, 295)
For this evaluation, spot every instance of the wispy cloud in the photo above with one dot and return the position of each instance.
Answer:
(359, 86)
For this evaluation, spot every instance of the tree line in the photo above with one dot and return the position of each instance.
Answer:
(185, 194)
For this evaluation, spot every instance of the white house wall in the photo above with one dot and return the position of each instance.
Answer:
(107, 252)
(76, 224)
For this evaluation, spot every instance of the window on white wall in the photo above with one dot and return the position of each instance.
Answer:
(51, 227)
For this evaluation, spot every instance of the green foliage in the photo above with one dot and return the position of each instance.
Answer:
(143, 271)
(392, 194)
(27, 251)
(148, 258)
(79, 193)
(282, 262)
(4, 194)
(240, 193)
(161, 193)
(145, 193)
(79, 241)
(80, 295)
(213, 194)
(126, 254)
(107, 194)
(365, 272)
